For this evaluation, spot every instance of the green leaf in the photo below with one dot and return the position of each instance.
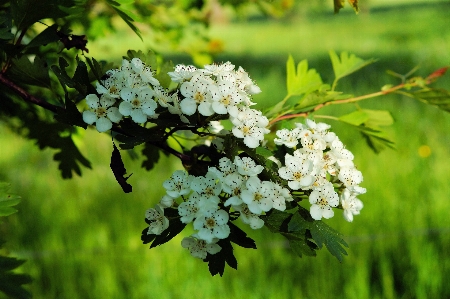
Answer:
(303, 80)
(321, 233)
(45, 37)
(378, 118)
(27, 12)
(368, 122)
(11, 283)
(320, 96)
(125, 16)
(162, 76)
(435, 97)
(376, 139)
(356, 118)
(32, 73)
(7, 200)
(338, 5)
(346, 65)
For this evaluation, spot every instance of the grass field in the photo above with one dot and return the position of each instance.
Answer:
(81, 237)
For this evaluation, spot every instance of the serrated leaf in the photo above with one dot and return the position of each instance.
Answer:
(7, 200)
(175, 227)
(435, 97)
(152, 153)
(216, 262)
(239, 237)
(27, 12)
(356, 118)
(303, 80)
(70, 114)
(69, 157)
(378, 118)
(33, 73)
(346, 64)
(262, 151)
(321, 233)
(125, 17)
(277, 221)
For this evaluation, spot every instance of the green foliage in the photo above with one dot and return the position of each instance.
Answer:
(11, 283)
(346, 64)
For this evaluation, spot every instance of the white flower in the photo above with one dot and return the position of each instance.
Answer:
(102, 113)
(280, 196)
(323, 199)
(179, 184)
(158, 223)
(188, 209)
(246, 166)
(143, 71)
(182, 73)
(199, 248)
(350, 176)
(233, 184)
(138, 103)
(258, 195)
(350, 204)
(212, 224)
(248, 217)
(286, 137)
(298, 172)
(225, 96)
(166, 201)
(218, 70)
(197, 93)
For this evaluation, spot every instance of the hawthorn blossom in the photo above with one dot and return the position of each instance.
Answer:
(212, 224)
(323, 199)
(156, 220)
(137, 103)
(102, 113)
(200, 248)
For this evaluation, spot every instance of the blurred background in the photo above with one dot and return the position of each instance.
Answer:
(81, 237)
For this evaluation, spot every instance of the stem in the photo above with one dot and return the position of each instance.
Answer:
(345, 101)
(26, 96)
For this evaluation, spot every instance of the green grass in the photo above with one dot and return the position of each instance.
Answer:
(81, 237)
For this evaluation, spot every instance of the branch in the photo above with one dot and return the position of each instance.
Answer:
(26, 96)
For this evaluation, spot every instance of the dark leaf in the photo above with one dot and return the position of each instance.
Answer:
(240, 238)
(152, 154)
(119, 170)
(216, 262)
(33, 73)
(27, 12)
(69, 156)
(175, 227)
(70, 115)
(45, 37)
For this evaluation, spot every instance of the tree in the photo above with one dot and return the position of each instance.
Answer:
(249, 170)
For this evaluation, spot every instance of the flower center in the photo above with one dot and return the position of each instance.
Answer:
(199, 97)
(101, 112)
(210, 222)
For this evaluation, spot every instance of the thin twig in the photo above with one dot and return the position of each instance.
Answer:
(26, 96)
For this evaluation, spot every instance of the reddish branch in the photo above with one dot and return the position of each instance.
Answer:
(26, 96)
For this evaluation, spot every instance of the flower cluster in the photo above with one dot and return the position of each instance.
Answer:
(133, 91)
(319, 164)
(128, 91)
(207, 202)
(220, 89)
